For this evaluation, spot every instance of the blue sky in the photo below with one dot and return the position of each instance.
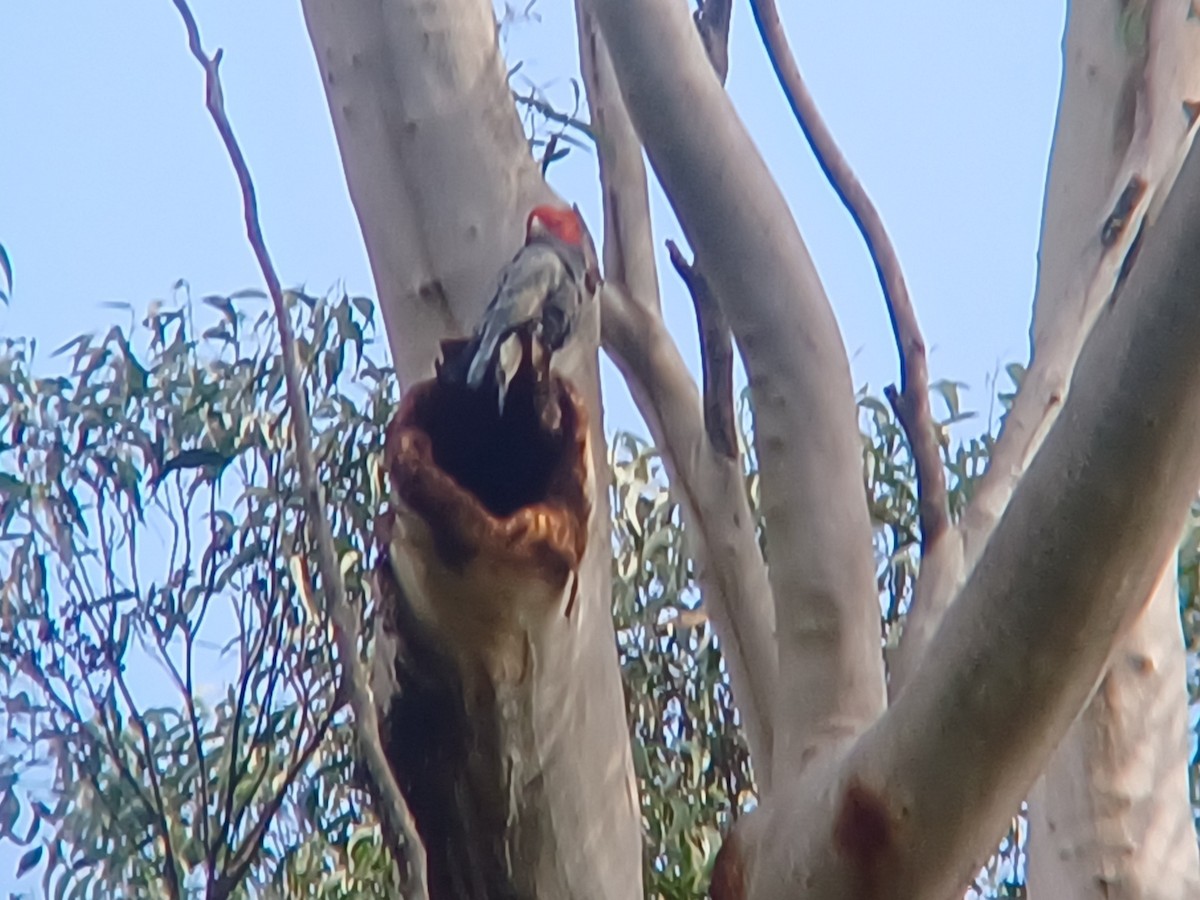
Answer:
(113, 182)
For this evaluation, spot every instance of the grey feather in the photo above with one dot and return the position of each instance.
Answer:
(536, 274)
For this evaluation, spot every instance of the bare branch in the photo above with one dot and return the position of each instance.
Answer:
(911, 403)
(739, 225)
(554, 115)
(711, 492)
(1093, 217)
(391, 807)
(1125, 125)
(1064, 576)
(716, 357)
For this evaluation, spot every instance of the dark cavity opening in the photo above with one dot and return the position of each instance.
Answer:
(507, 461)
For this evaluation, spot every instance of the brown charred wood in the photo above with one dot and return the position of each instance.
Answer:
(482, 544)
(445, 754)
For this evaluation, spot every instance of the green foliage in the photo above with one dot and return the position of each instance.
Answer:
(153, 543)
(691, 760)
(168, 673)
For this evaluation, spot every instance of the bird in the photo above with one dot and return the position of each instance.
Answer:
(538, 300)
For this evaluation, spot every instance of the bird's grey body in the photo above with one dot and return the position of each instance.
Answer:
(541, 291)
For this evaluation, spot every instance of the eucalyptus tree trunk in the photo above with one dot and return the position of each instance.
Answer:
(502, 712)
(495, 669)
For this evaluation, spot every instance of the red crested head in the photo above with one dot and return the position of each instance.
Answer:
(560, 222)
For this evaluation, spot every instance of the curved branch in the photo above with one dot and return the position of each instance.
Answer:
(707, 482)
(392, 809)
(1066, 573)
(1137, 98)
(911, 403)
(1123, 130)
(739, 225)
(711, 492)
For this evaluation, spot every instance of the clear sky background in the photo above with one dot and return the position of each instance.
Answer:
(114, 184)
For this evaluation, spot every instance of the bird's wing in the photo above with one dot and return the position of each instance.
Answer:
(519, 299)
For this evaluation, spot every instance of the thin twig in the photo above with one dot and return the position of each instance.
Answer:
(548, 154)
(171, 868)
(911, 402)
(716, 357)
(548, 111)
(392, 808)
(241, 861)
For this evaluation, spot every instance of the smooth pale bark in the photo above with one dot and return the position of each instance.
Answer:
(1124, 123)
(1110, 817)
(434, 156)
(1130, 73)
(1122, 114)
(720, 528)
(441, 179)
(920, 801)
(736, 220)
(708, 486)
(628, 252)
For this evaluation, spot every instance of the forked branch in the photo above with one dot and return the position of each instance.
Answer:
(911, 402)
(392, 809)
(1067, 569)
